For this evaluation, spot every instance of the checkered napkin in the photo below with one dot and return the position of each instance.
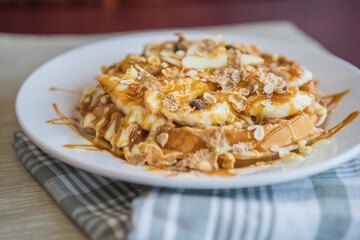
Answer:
(324, 206)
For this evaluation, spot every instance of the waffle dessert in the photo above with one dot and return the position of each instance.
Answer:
(203, 105)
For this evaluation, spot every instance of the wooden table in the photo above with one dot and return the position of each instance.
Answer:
(27, 211)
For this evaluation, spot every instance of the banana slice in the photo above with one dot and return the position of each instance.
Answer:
(277, 109)
(216, 114)
(304, 78)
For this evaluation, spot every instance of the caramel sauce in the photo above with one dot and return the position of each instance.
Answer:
(221, 173)
(55, 121)
(334, 100)
(332, 131)
(64, 90)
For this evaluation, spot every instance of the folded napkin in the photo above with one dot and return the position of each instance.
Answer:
(324, 206)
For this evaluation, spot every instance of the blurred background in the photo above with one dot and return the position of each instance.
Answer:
(334, 23)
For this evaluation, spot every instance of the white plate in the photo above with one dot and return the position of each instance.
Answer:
(77, 68)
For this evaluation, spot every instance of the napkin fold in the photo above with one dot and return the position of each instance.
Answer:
(324, 206)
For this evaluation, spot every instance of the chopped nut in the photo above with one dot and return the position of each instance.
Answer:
(269, 88)
(244, 91)
(210, 99)
(237, 102)
(198, 104)
(154, 60)
(131, 73)
(164, 65)
(191, 73)
(259, 133)
(171, 103)
(168, 72)
(162, 138)
(228, 161)
(169, 87)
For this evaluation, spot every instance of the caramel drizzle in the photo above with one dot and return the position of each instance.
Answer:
(64, 90)
(55, 121)
(94, 146)
(334, 100)
(332, 131)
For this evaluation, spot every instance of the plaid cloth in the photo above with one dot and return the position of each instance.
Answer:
(324, 206)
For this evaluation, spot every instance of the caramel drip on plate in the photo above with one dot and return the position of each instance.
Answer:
(55, 121)
(332, 131)
(334, 100)
(64, 90)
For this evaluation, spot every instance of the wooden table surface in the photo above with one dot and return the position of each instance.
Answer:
(334, 23)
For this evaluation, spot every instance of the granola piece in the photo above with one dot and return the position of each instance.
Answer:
(168, 72)
(210, 99)
(234, 59)
(269, 88)
(146, 153)
(281, 151)
(171, 103)
(207, 45)
(185, 110)
(202, 160)
(235, 76)
(259, 133)
(151, 83)
(154, 60)
(237, 102)
(227, 160)
(214, 140)
(244, 91)
(162, 138)
(219, 79)
(241, 147)
(131, 73)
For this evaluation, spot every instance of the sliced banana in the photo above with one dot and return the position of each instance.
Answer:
(304, 78)
(273, 109)
(205, 62)
(216, 114)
